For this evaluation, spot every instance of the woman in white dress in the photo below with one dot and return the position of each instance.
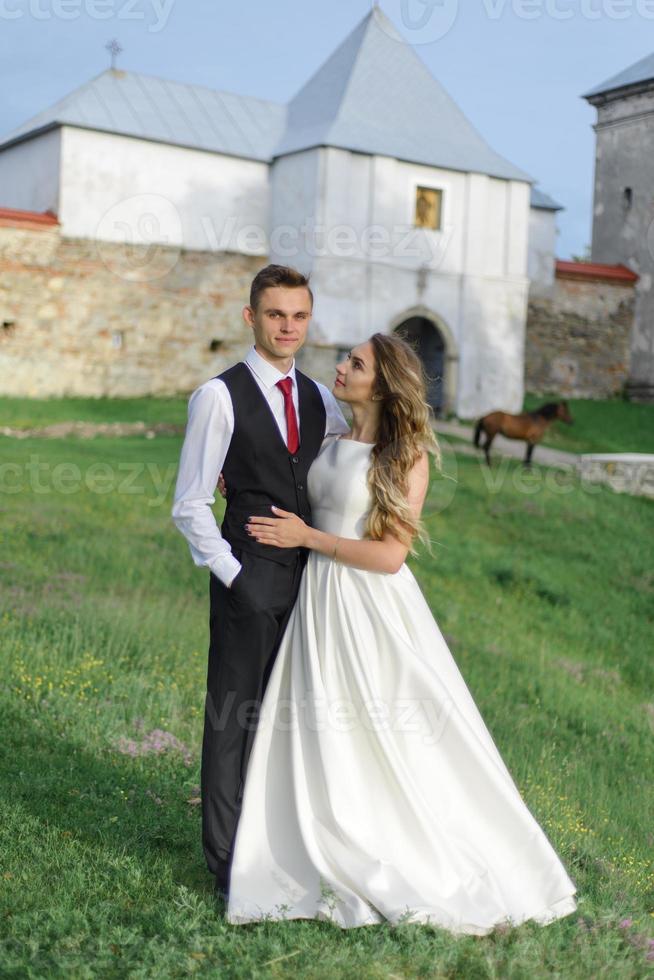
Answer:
(374, 791)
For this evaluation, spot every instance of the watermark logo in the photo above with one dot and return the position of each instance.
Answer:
(41, 477)
(567, 9)
(424, 718)
(154, 12)
(338, 241)
(138, 239)
(419, 21)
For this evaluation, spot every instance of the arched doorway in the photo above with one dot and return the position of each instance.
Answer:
(429, 343)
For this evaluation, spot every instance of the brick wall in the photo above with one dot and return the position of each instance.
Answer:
(578, 333)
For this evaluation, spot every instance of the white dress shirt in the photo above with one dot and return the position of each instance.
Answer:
(209, 430)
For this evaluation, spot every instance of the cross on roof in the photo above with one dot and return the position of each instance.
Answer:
(114, 49)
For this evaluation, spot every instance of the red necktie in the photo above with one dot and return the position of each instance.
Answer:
(292, 440)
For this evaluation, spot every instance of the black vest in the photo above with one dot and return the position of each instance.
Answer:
(258, 469)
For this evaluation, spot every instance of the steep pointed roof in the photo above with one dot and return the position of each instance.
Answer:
(641, 71)
(168, 112)
(375, 95)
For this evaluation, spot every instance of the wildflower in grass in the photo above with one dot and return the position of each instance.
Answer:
(155, 742)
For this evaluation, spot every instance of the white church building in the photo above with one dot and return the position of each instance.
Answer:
(371, 179)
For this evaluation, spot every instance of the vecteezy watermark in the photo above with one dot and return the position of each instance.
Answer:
(318, 240)
(154, 12)
(43, 477)
(567, 9)
(426, 718)
(419, 21)
(589, 476)
(139, 238)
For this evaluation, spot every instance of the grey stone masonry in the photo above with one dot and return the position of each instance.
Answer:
(578, 332)
(623, 209)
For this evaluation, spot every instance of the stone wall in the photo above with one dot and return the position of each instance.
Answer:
(623, 210)
(79, 317)
(578, 337)
(84, 318)
(89, 318)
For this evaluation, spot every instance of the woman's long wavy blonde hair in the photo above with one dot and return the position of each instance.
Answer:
(405, 432)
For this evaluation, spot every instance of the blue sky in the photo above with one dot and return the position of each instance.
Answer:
(517, 68)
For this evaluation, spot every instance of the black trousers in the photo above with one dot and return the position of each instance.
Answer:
(246, 625)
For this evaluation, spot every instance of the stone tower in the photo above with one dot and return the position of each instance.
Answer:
(623, 207)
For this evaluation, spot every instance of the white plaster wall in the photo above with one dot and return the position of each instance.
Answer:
(29, 173)
(353, 302)
(495, 229)
(115, 188)
(368, 207)
(519, 207)
(492, 331)
(295, 202)
(542, 249)
(482, 318)
(367, 261)
(493, 297)
(472, 276)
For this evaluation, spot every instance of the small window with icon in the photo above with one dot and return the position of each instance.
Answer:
(429, 201)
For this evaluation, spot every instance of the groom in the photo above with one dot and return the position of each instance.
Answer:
(262, 423)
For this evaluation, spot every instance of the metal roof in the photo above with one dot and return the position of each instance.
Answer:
(641, 71)
(169, 112)
(373, 95)
(595, 270)
(539, 199)
(10, 217)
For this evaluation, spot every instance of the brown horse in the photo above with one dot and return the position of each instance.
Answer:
(530, 426)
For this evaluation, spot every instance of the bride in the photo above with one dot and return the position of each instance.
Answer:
(374, 790)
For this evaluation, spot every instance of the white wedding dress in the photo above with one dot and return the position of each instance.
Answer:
(374, 790)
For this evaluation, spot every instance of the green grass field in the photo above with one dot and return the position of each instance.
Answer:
(611, 426)
(545, 594)
(27, 413)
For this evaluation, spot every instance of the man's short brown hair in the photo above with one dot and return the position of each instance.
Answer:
(277, 275)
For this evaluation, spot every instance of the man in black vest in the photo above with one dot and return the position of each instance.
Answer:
(261, 423)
